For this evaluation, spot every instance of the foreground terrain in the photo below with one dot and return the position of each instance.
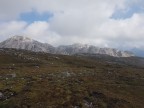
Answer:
(40, 80)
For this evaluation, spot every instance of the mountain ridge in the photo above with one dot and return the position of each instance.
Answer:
(22, 42)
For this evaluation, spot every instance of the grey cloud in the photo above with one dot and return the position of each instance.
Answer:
(76, 21)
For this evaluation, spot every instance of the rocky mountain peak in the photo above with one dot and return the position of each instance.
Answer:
(79, 45)
(21, 38)
(21, 42)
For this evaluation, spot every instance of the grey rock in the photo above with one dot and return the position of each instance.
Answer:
(20, 42)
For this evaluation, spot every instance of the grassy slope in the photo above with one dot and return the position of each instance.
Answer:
(57, 81)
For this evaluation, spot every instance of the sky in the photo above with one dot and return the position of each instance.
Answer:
(103, 23)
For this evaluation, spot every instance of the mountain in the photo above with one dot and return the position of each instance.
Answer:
(133, 61)
(138, 52)
(80, 48)
(20, 42)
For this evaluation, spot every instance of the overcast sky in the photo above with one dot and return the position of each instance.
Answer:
(104, 23)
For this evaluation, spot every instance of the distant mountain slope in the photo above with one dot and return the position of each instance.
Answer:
(126, 61)
(79, 48)
(138, 52)
(20, 42)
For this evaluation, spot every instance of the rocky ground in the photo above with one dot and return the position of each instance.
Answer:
(40, 80)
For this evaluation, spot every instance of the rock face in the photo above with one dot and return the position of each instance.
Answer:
(79, 48)
(20, 42)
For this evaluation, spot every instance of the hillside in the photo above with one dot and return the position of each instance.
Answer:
(42, 80)
(137, 62)
(21, 42)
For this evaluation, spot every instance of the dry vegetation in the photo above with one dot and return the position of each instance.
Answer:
(39, 80)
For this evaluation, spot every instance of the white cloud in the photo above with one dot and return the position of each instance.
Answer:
(76, 21)
(12, 9)
(8, 29)
(40, 31)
